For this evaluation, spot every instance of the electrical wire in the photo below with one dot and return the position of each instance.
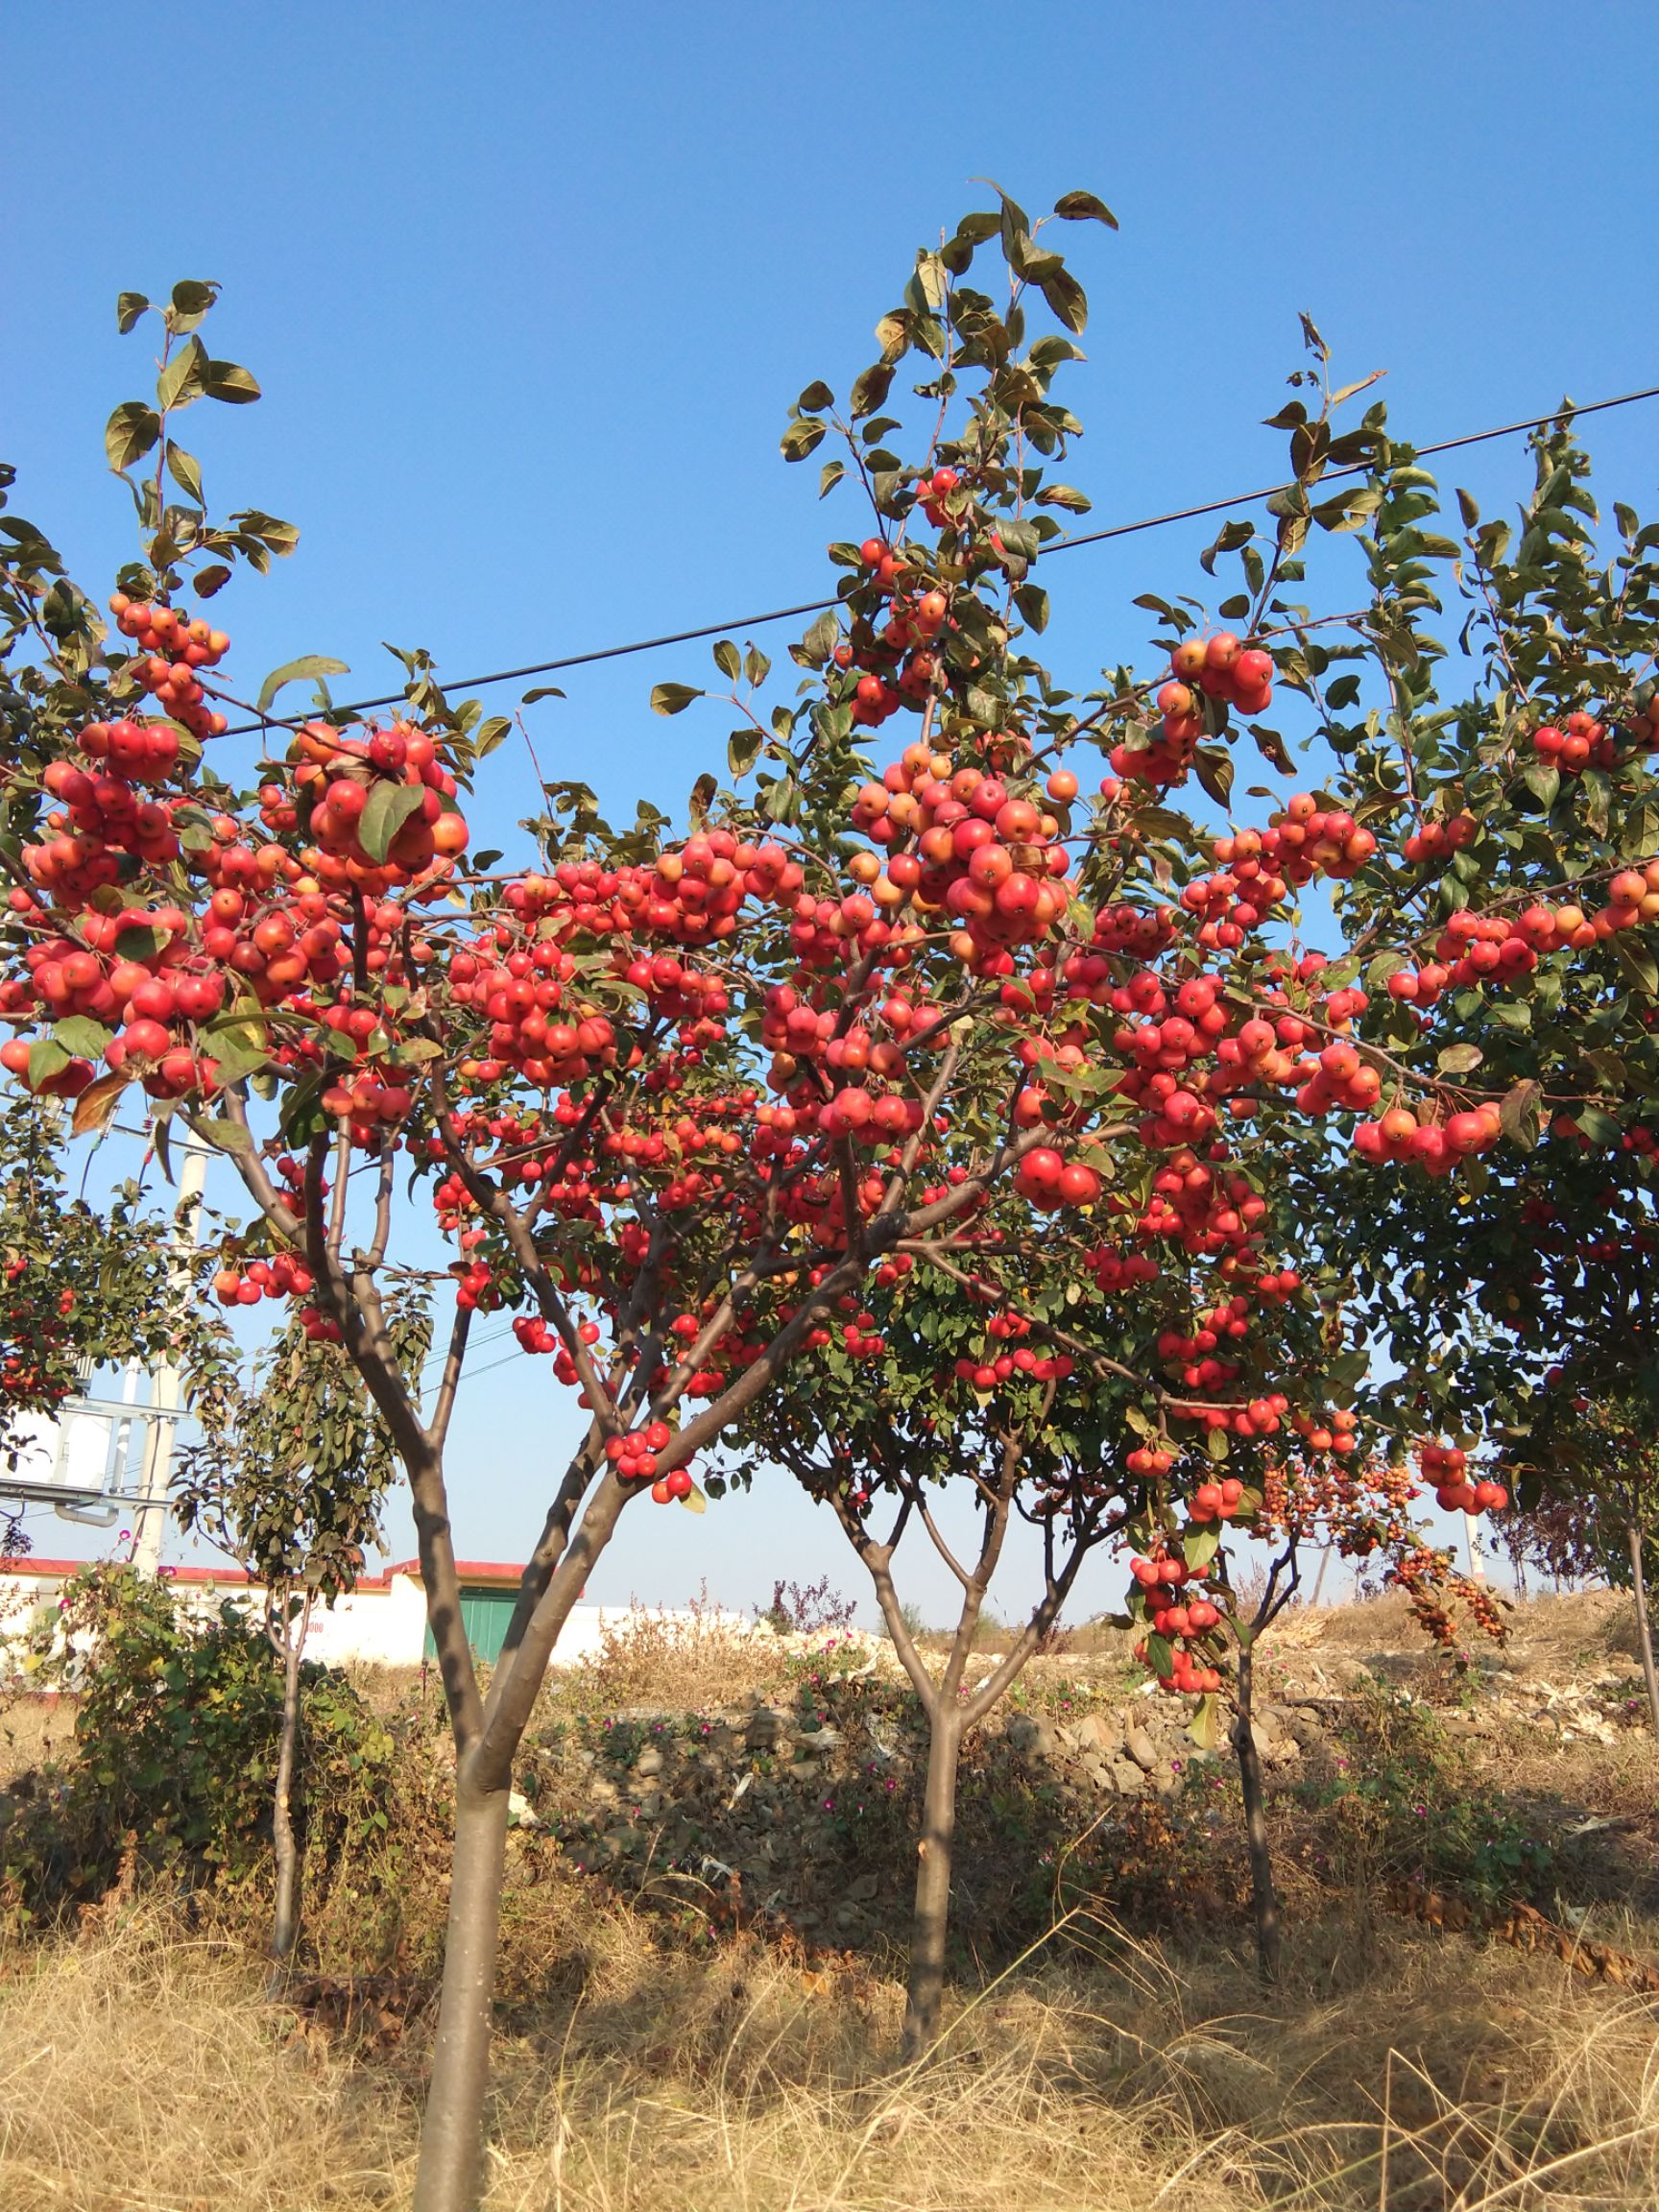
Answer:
(472, 1374)
(745, 622)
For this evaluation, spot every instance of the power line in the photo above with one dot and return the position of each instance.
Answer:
(471, 684)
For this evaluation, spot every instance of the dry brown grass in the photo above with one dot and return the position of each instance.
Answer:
(34, 1731)
(139, 2069)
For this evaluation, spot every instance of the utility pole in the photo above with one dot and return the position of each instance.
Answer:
(1477, 1550)
(150, 1518)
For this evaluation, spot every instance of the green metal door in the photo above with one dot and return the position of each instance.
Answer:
(484, 1615)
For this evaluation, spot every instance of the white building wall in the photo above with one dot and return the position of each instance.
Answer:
(377, 1627)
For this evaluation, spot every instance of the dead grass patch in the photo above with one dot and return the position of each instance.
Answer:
(139, 2069)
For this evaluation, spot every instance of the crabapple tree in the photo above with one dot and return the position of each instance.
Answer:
(671, 1093)
(1031, 1376)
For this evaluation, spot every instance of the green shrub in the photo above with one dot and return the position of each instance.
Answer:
(176, 1732)
(1410, 1805)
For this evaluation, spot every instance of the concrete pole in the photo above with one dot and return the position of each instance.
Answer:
(1477, 1550)
(150, 1519)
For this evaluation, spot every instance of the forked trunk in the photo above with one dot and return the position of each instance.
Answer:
(1263, 1901)
(450, 2173)
(1644, 1626)
(925, 1997)
(285, 1915)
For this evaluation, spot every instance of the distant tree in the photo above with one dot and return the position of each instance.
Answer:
(288, 1479)
(79, 1287)
(1589, 1466)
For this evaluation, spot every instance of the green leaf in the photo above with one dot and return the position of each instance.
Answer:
(1067, 300)
(1350, 509)
(830, 475)
(756, 667)
(870, 389)
(80, 1034)
(743, 750)
(390, 805)
(700, 799)
(415, 1051)
(192, 297)
(1200, 1545)
(139, 941)
(1459, 1059)
(130, 307)
(491, 733)
(1084, 208)
(1203, 1729)
(46, 1058)
(226, 380)
(672, 698)
(820, 642)
(238, 1044)
(802, 436)
(542, 691)
(225, 1134)
(1160, 1655)
(130, 432)
(308, 666)
(1217, 1444)
(1032, 602)
(816, 397)
(184, 378)
(727, 659)
(185, 472)
(1212, 765)
(1062, 495)
(1272, 748)
(893, 335)
(1638, 963)
(1600, 1128)
(1543, 780)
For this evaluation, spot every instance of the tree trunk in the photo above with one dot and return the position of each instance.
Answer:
(450, 2173)
(286, 1915)
(1643, 1627)
(925, 1997)
(1261, 1895)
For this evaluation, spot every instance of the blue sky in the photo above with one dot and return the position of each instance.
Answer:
(529, 290)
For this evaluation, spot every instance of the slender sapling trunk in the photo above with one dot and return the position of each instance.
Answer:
(285, 1912)
(1643, 1627)
(1263, 1901)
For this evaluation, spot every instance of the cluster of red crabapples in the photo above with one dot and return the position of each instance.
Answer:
(1447, 1468)
(1222, 669)
(1580, 742)
(177, 647)
(634, 1460)
(1435, 1147)
(994, 1368)
(339, 781)
(283, 1276)
(1163, 1584)
(896, 659)
(964, 843)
